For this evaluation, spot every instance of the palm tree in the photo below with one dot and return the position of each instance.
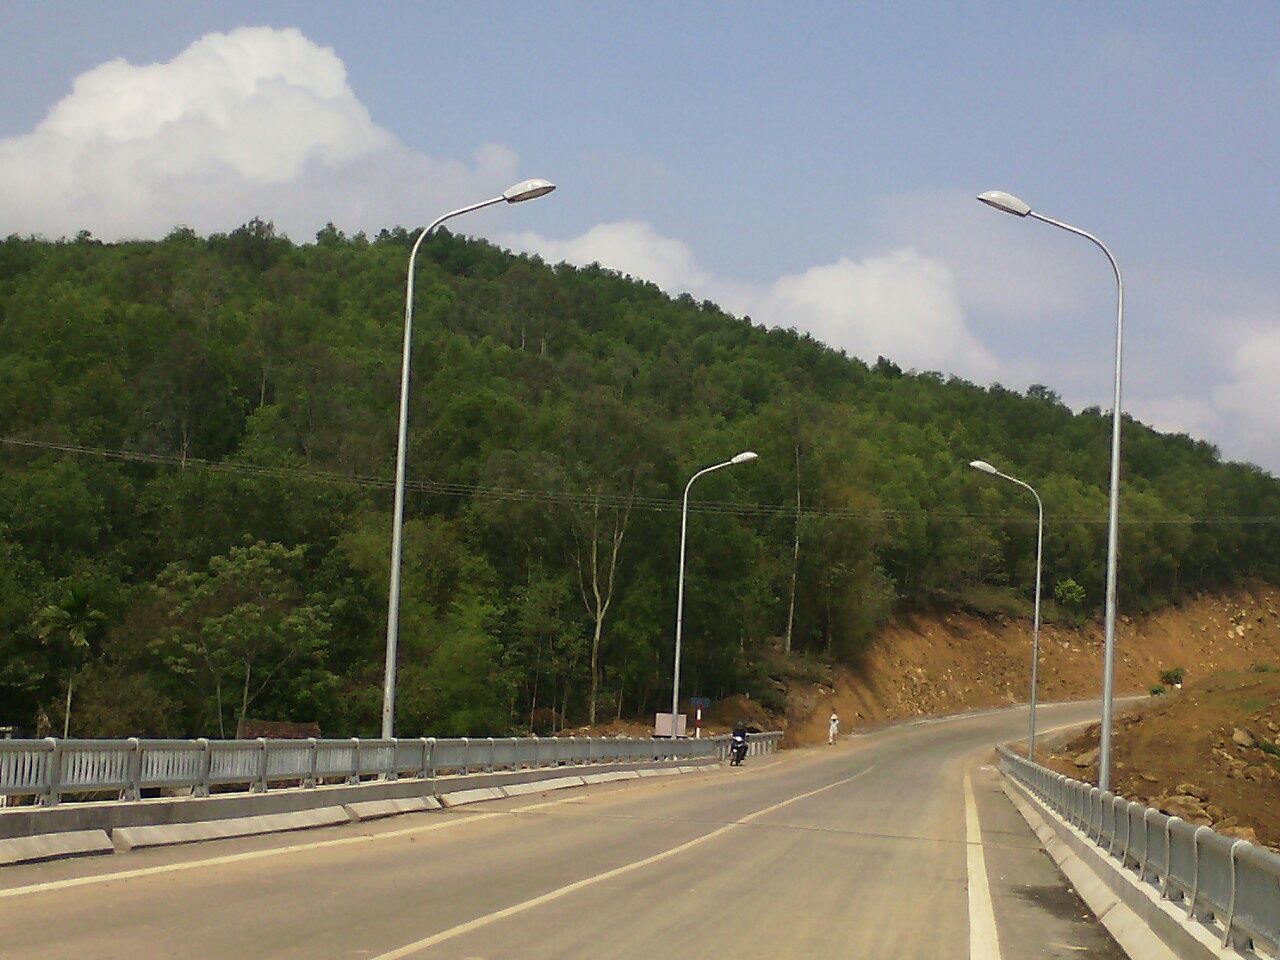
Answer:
(72, 620)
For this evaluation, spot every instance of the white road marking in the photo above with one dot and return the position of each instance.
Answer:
(454, 932)
(234, 858)
(983, 942)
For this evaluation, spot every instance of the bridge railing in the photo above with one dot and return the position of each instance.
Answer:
(50, 769)
(1231, 885)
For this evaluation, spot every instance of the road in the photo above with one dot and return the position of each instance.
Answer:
(895, 845)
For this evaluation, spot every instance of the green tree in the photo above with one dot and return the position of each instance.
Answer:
(71, 625)
(239, 624)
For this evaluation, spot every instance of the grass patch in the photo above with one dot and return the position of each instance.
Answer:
(988, 601)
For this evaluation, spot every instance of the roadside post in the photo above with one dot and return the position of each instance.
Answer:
(699, 704)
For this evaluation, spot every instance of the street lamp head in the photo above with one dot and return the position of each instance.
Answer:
(745, 457)
(983, 466)
(527, 190)
(1006, 202)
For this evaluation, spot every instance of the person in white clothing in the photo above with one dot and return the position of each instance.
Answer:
(834, 729)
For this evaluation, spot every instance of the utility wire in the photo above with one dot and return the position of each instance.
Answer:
(569, 498)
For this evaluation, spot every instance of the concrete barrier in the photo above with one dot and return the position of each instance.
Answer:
(376, 809)
(99, 827)
(51, 846)
(133, 838)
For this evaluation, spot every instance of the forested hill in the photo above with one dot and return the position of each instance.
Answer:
(204, 533)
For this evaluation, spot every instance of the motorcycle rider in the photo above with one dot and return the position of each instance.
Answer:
(739, 740)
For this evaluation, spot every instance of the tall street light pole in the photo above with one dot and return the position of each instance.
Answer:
(745, 457)
(1035, 629)
(1011, 204)
(525, 190)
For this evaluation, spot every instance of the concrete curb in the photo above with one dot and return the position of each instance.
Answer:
(51, 846)
(133, 838)
(461, 797)
(1146, 926)
(541, 786)
(612, 777)
(669, 772)
(375, 809)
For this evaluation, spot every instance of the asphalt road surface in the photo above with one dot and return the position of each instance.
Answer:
(897, 844)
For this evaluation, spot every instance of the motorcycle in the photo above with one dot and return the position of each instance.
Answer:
(737, 750)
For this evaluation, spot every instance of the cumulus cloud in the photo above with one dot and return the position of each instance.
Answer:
(1251, 395)
(630, 247)
(900, 305)
(254, 121)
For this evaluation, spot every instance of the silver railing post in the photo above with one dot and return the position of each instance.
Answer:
(133, 788)
(53, 773)
(313, 761)
(354, 775)
(201, 789)
(261, 785)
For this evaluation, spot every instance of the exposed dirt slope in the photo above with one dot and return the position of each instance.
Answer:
(928, 664)
(952, 662)
(1207, 753)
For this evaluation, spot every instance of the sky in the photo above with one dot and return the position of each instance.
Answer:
(811, 165)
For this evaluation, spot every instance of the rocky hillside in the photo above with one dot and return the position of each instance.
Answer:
(928, 664)
(1208, 754)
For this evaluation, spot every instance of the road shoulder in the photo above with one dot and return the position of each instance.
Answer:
(1038, 913)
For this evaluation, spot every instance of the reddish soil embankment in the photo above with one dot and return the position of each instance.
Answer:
(948, 663)
(1207, 753)
(952, 662)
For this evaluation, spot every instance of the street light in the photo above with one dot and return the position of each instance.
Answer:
(517, 193)
(745, 457)
(1011, 204)
(1035, 629)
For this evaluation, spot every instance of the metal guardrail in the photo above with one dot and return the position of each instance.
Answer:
(51, 768)
(1230, 885)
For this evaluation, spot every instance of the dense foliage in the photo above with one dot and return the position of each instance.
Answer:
(212, 538)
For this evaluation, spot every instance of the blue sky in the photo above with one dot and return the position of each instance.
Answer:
(812, 165)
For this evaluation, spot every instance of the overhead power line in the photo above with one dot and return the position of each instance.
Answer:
(607, 499)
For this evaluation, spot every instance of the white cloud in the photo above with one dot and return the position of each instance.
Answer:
(1250, 399)
(1176, 413)
(1013, 270)
(900, 305)
(629, 247)
(257, 121)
